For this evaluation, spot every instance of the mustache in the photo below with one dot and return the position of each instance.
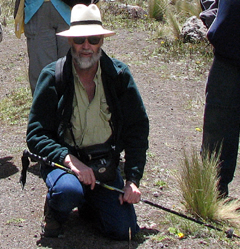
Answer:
(81, 61)
(85, 51)
(76, 53)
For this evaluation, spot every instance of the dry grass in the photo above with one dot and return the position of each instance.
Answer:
(198, 180)
(227, 212)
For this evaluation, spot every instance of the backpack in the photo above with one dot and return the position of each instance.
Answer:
(209, 11)
(19, 17)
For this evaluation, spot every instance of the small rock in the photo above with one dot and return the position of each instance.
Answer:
(193, 30)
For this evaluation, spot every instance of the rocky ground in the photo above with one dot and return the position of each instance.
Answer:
(173, 92)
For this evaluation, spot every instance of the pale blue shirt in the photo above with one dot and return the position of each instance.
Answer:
(32, 6)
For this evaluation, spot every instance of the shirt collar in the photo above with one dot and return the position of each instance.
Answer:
(97, 76)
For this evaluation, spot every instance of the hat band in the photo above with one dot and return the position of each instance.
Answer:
(86, 22)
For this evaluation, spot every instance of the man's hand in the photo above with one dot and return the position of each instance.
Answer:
(83, 172)
(131, 193)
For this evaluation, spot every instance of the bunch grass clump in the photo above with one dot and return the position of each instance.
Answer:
(198, 181)
(157, 9)
(191, 8)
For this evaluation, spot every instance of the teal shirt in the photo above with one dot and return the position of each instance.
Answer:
(32, 6)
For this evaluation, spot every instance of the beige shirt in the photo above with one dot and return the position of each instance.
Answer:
(90, 121)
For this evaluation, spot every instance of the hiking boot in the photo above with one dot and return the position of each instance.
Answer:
(52, 228)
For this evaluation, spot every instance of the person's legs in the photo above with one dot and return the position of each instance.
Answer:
(115, 220)
(221, 118)
(59, 25)
(43, 45)
(65, 192)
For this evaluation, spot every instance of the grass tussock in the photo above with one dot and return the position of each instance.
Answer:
(191, 8)
(198, 180)
(174, 24)
(227, 212)
(157, 9)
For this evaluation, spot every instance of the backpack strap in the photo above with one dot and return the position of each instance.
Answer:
(59, 82)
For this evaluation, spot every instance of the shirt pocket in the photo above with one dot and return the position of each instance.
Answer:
(104, 110)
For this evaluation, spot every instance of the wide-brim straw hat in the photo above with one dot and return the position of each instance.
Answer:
(86, 21)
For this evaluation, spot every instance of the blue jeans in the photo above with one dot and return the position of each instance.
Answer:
(65, 192)
(222, 117)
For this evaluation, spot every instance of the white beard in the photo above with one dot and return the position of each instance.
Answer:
(86, 63)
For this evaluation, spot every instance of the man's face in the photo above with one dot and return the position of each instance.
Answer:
(86, 51)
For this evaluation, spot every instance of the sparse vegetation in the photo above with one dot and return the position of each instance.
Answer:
(196, 56)
(158, 58)
(7, 7)
(14, 108)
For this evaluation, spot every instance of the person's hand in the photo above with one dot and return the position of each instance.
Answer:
(131, 195)
(83, 172)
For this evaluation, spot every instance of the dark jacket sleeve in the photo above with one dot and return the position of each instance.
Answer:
(224, 33)
(42, 130)
(135, 128)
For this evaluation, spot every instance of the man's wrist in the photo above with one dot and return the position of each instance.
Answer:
(135, 181)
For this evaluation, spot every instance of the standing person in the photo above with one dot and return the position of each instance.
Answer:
(222, 110)
(43, 19)
(99, 102)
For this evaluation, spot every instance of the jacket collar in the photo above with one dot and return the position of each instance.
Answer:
(108, 66)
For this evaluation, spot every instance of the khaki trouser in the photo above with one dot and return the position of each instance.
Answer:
(44, 46)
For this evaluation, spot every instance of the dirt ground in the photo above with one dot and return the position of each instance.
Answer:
(174, 96)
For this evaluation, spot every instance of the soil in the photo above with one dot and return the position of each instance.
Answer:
(173, 94)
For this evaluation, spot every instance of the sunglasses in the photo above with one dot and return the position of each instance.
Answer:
(93, 40)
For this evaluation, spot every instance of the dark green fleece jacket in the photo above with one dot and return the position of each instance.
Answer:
(52, 109)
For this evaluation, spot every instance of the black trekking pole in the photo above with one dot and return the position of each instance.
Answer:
(25, 165)
(229, 232)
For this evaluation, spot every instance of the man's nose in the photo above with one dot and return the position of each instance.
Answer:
(86, 44)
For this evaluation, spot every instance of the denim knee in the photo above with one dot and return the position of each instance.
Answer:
(65, 193)
(120, 223)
